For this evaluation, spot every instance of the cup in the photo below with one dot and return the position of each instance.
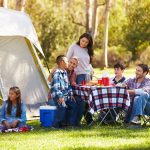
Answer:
(100, 82)
(83, 83)
(106, 81)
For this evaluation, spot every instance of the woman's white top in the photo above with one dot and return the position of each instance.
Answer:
(83, 58)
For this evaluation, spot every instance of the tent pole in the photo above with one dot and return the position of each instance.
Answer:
(47, 65)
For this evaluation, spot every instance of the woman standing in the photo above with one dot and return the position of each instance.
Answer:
(83, 50)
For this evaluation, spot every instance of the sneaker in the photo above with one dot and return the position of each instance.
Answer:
(136, 120)
(121, 116)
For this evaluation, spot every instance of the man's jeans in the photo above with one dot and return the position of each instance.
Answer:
(140, 105)
(71, 112)
(66, 114)
(147, 108)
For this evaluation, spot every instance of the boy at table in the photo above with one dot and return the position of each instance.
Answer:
(117, 80)
(118, 70)
(62, 95)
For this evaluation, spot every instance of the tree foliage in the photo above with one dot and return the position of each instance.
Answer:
(137, 35)
(59, 23)
(55, 28)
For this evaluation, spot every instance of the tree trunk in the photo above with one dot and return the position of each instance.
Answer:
(90, 15)
(94, 17)
(1, 3)
(69, 2)
(20, 5)
(125, 5)
(99, 19)
(106, 33)
(5, 3)
(87, 15)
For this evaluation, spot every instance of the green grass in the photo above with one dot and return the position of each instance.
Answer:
(103, 137)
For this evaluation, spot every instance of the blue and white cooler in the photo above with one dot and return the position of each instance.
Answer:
(47, 114)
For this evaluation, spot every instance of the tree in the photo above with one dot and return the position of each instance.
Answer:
(56, 33)
(3, 3)
(108, 2)
(20, 5)
(94, 17)
(87, 15)
(137, 31)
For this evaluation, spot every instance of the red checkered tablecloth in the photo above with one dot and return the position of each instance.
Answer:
(103, 97)
(83, 91)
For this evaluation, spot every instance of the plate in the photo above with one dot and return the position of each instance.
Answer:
(86, 86)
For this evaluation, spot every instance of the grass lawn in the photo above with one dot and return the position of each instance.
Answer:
(103, 137)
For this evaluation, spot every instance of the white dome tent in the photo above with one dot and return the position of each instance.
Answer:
(19, 62)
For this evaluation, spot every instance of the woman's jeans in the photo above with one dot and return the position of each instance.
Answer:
(82, 106)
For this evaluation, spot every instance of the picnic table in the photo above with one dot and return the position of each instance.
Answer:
(103, 97)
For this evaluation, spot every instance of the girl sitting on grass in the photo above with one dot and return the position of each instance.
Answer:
(13, 111)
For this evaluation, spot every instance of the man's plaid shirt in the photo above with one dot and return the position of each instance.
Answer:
(60, 86)
(145, 85)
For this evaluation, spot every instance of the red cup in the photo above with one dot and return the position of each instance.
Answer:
(100, 82)
(83, 83)
(106, 81)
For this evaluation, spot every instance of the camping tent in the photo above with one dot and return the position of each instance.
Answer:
(19, 63)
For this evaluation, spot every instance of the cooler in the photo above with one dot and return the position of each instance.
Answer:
(47, 114)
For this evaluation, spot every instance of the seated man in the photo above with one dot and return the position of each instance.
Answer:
(139, 90)
(61, 93)
(147, 107)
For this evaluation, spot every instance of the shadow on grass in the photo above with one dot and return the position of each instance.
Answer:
(94, 131)
(110, 148)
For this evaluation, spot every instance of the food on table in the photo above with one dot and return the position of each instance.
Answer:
(94, 83)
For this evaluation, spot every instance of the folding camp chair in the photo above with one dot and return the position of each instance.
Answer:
(145, 120)
(115, 116)
(105, 113)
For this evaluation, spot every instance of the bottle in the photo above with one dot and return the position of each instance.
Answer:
(88, 75)
(105, 78)
(64, 104)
